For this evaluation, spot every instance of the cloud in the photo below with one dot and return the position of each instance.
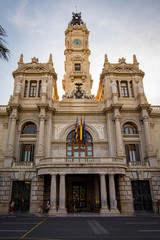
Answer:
(27, 19)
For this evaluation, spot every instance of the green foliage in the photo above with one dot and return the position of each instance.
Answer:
(4, 51)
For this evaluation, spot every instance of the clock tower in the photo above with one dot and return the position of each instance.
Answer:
(77, 58)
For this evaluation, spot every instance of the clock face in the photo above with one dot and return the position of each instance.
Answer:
(77, 43)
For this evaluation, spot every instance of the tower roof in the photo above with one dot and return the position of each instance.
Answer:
(76, 19)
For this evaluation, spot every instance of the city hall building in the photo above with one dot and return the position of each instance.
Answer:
(84, 153)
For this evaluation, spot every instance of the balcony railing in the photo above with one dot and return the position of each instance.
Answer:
(21, 164)
(28, 135)
(139, 164)
(3, 108)
(155, 108)
(81, 160)
(131, 135)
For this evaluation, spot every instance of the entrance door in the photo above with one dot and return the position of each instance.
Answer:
(141, 196)
(79, 196)
(21, 195)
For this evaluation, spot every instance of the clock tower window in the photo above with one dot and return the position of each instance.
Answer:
(77, 67)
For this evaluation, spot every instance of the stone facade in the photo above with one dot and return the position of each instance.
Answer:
(116, 171)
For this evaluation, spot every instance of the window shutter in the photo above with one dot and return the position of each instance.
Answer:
(22, 152)
(32, 153)
(137, 152)
(127, 152)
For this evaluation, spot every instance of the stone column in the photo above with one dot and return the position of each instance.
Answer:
(62, 195)
(49, 135)
(119, 138)
(151, 156)
(53, 208)
(147, 134)
(12, 132)
(104, 205)
(112, 194)
(41, 133)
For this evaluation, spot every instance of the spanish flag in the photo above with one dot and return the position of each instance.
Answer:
(76, 130)
(80, 131)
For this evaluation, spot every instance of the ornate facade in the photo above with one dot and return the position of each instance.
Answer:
(116, 170)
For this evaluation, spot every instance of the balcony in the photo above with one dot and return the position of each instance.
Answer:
(28, 135)
(91, 161)
(130, 135)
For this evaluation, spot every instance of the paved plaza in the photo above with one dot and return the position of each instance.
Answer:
(81, 227)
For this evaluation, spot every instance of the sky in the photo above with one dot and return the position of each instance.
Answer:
(118, 28)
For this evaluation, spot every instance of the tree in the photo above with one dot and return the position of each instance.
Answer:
(4, 52)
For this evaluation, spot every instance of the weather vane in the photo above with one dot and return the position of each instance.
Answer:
(76, 8)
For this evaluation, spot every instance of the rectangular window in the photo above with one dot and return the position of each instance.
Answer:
(77, 67)
(25, 88)
(132, 152)
(124, 89)
(33, 88)
(27, 152)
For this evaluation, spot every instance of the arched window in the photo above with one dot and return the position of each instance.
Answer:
(78, 150)
(129, 128)
(29, 128)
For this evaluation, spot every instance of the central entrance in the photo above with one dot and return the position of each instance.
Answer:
(82, 193)
(79, 196)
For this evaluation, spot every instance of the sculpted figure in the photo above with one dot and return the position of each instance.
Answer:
(140, 87)
(44, 87)
(18, 87)
(114, 87)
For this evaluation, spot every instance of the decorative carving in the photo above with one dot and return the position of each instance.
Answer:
(114, 87)
(18, 88)
(40, 148)
(35, 60)
(100, 130)
(122, 60)
(78, 93)
(69, 94)
(76, 19)
(44, 87)
(87, 95)
(10, 148)
(120, 148)
(140, 88)
(58, 129)
(150, 148)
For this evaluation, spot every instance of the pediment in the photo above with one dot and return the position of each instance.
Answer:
(33, 68)
(124, 68)
(77, 58)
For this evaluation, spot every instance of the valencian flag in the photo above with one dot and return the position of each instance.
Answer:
(80, 132)
(84, 133)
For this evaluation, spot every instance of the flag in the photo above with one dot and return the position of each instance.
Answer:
(80, 131)
(76, 130)
(84, 133)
